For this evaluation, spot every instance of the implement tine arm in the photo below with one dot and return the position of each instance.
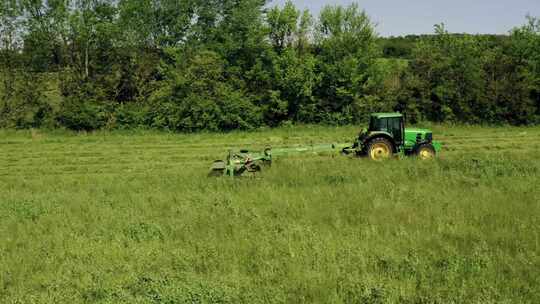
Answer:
(315, 149)
(245, 162)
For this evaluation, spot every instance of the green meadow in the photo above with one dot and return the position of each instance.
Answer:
(131, 217)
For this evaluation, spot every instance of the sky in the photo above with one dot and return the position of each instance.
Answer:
(402, 17)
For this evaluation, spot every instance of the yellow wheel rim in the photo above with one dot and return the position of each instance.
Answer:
(426, 154)
(380, 151)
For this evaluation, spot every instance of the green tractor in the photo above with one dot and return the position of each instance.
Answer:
(386, 137)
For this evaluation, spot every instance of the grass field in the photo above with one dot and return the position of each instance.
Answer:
(132, 218)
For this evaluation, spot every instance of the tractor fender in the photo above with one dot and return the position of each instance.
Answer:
(381, 135)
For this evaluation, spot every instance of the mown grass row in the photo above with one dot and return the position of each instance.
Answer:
(147, 226)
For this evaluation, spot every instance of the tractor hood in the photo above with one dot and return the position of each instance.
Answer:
(412, 135)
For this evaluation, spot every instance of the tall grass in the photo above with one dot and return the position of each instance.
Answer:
(129, 217)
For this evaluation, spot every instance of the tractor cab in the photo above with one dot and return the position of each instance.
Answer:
(389, 123)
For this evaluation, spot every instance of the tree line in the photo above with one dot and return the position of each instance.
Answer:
(190, 65)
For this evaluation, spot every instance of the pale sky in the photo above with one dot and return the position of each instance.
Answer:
(401, 17)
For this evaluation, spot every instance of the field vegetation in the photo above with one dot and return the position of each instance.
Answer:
(130, 217)
(123, 211)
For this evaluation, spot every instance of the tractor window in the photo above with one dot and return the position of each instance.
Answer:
(378, 124)
(373, 124)
(395, 128)
(383, 125)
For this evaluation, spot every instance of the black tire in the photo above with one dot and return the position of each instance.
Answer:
(253, 168)
(425, 152)
(379, 149)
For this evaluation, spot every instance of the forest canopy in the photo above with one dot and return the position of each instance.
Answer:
(190, 65)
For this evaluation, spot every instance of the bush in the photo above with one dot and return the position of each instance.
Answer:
(22, 102)
(79, 115)
(195, 95)
(127, 116)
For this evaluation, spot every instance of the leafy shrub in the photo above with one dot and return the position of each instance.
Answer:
(79, 115)
(129, 115)
(196, 98)
(22, 102)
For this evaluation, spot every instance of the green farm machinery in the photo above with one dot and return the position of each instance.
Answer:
(385, 138)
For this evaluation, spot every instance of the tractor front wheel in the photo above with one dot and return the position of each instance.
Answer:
(425, 152)
(379, 149)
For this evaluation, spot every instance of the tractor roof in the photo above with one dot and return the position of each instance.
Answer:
(386, 115)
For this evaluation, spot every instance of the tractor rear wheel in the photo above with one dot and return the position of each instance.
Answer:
(425, 152)
(379, 149)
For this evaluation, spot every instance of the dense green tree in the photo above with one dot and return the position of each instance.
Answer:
(158, 23)
(195, 96)
(346, 49)
(523, 47)
(283, 25)
(471, 79)
(451, 71)
(189, 65)
(294, 75)
(10, 42)
(295, 78)
(22, 102)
